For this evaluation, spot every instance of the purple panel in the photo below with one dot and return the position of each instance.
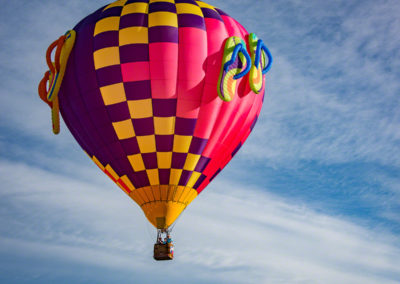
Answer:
(109, 75)
(164, 107)
(210, 13)
(107, 133)
(202, 164)
(163, 34)
(191, 20)
(77, 106)
(110, 12)
(185, 177)
(197, 145)
(178, 160)
(221, 12)
(99, 116)
(185, 126)
(236, 149)
(133, 20)
(116, 150)
(93, 99)
(118, 112)
(150, 160)
(131, 146)
(136, 1)
(186, 1)
(254, 123)
(138, 90)
(134, 52)
(143, 126)
(162, 7)
(199, 181)
(106, 39)
(124, 167)
(164, 175)
(164, 143)
(214, 175)
(103, 155)
(139, 179)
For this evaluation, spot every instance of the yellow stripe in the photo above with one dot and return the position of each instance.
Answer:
(97, 162)
(163, 19)
(112, 172)
(170, 1)
(106, 24)
(135, 8)
(128, 183)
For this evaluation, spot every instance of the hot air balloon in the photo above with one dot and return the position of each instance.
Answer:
(160, 94)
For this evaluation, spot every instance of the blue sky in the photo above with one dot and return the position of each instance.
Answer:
(313, 196)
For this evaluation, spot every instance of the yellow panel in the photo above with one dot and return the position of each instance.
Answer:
(147, 144)
(113, 94)
(135, 8)
(164, 125)
(163, 19)
(186, 192)
(175, 176)
(193, 178)
(97, 162)
(128, 183)
(191, 162)
(153, 176)
(140, 108)
(107, 24)
(112, 172)
(164, 160)
(182, 143)
(179, 191)
(144, 195)
(170, 1)
(164, 191)
(156, 192)
(136, 162)
(204, 5)
(133, 35)
(171, 192)
(124, 129)
(185, 8)
(136, 197)
(106, 57)
(118, 3)
(193, 194)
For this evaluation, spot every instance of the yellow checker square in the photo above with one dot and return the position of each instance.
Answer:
(191, 162)
(182, 143)
(193, 179)
(164, 125)
(169, 1)
(186, 8)
(111, 171)
(147, 143)
(175, 176)
(164, 160)
(124, 129)
(153, 177)
(113, 94)
(140, 108)
(106, 24)
(133, 35)
(163, 19)
(136, 162)
(135, 8)
(106, 57)
(118, 3)
(204, 5)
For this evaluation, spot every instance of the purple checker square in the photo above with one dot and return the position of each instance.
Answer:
(111, 12)
(150, 160)
(185, 126)
(133, 20)
(186, 1)
(109, 75)
(254, 123)
(197, 145)
(164, 107)
(107, 133)
(116, 150)
(139, 179)
(93, 99)
(136, 1)
(164, 143)
(164, 175)
(143, 126)
(99, 116)
(118, 112)
(123, 165)
(214, 175)
(185, 177)
(236, 149)
(178, 160)
(163, 34)
(162, 7)
(210, 13)
(202, 164)
(138, 90)
(130, 146)
(106, 39)
(191, 20)
(134, 53)
(199, 181)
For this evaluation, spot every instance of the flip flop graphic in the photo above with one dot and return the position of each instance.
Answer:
(259, 54)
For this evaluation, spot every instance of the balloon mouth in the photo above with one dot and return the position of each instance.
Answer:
(162, 214)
